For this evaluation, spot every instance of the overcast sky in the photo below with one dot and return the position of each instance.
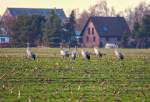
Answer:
(67, 5)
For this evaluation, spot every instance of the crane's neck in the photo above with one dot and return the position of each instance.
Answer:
(28, 47)
(116, 51)
(69, 47)
(95, 48)
(76, 48)
(83, 51)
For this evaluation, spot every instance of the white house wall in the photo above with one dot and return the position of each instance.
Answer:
(6, 39)
(110, 40)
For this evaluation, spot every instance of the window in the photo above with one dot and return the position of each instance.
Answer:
(92, 30)
(105, 29)
(87, 38)
(88, 30)
(2, 40)
(94, 39)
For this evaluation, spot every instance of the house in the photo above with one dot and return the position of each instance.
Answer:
(101, 30)
(12, 13)
(4, 38)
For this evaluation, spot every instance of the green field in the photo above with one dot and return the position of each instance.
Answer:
(53, 79)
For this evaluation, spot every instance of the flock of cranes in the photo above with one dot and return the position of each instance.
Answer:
(74, 54)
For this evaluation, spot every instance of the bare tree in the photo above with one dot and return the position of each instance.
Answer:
(129, 16)
(99, 9)
(112, 12)
(135, 15)
(82, 20)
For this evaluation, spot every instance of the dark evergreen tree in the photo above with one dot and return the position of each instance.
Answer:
(36, 26)
(52, 30)
(27, 29)
(20, 30)
(70, 27)
(124, 40)
(145, 29)
(142, 32)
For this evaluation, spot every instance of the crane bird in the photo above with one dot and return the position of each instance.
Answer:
(64, 52)
(119, 55)
(97, 52)
(85, 54)
(74, 53)
(30, 54)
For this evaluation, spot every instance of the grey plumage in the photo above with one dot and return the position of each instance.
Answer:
(74, 53)
(30, 54)
(119, 55)
(85, 54)
(97, 52)
(64, 52)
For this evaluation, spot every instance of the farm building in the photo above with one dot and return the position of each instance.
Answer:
(12, 13)
(4, 38)
(101, 30)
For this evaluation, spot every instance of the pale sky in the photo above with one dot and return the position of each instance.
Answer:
(67, 5)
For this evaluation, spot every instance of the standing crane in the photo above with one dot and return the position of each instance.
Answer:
(97, 52)
(64, 52)
(30, 54)
(119, 55)
(74, 53)
(85, 54)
